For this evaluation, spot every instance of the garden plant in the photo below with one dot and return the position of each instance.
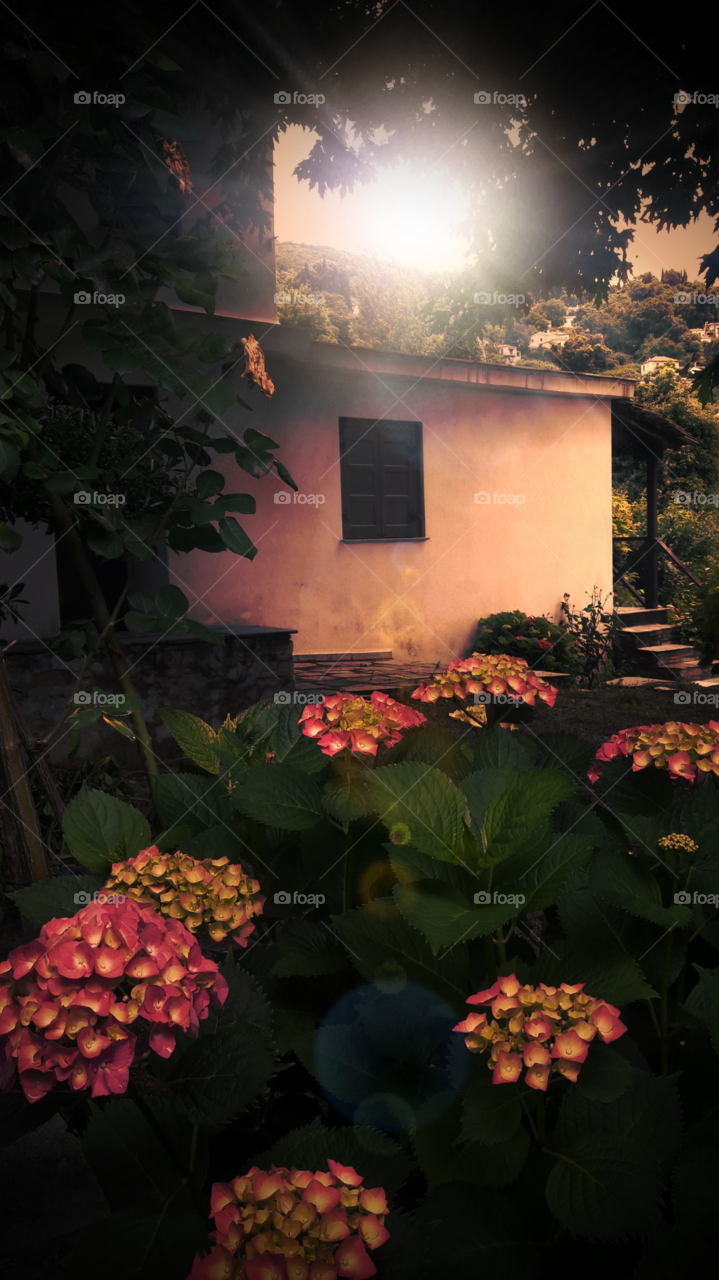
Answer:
(481, 996)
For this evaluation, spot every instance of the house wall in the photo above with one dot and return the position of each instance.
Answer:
(550, 445)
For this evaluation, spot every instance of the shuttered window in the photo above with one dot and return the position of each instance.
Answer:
(382, 482)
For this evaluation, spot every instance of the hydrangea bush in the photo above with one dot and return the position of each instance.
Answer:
(214, 891)
(490, 676)
(456, 861)
(69, 999)
(543, 1029)
(684, 750)
(291, 1224)
(349, 722)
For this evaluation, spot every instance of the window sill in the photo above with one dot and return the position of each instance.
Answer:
(351, 541)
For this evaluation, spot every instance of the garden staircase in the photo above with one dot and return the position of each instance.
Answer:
(650, 644)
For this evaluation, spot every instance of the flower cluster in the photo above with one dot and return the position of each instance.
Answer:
(540, 1028)
(683, 749)
(215, 892)
(290, 1224)
(487, 673)
(679, 843)
(67, 1000)
(349, 721)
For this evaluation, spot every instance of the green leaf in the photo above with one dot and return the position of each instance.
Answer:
(671, 1253)
(214, 346)
(288, 741)
(195, 298)
(446, 916)
(193, 735)
(604, 1188)
(155, 1226)
(139, 621)
(545, 882)
(245, 1000)
(512, 817)
(695, 1191)
(499, 749)
(424, 799)
(564, 751)
(308, 951)
(386, 949)
(346, 798)
(488, 1235)
(244, 503)
(170, 602)
(645, 793)
(100, 829)
(190, 800)
(482, 788)
(9, 461)
(647, 1114)
(9, 540)
(709, 983)
(279, 796)
(235, 538)
(606, 969)
(104, 543)
(443, 1157)
(215, 397)
(605, 1075)
(141, 600)
(209, 483)
(55, 899)
(18, 1117)
(491, 1114)
(220, 1074)
(626, 881)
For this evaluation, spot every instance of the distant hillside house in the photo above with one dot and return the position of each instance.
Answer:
(511, 353)
(555, 338)
(700, 334)
(655, 363)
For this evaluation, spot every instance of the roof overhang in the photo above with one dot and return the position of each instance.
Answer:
(640, 433)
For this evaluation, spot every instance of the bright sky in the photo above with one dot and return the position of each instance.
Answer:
(412, 220)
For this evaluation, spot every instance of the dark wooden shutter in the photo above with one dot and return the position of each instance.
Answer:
(381, 475)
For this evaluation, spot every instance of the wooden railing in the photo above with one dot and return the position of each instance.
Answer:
(647, 555)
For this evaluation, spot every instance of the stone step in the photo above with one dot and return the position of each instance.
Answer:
(632, 615)
(655, 633)
(673, 655)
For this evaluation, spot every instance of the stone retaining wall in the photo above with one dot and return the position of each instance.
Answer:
(187, 673)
